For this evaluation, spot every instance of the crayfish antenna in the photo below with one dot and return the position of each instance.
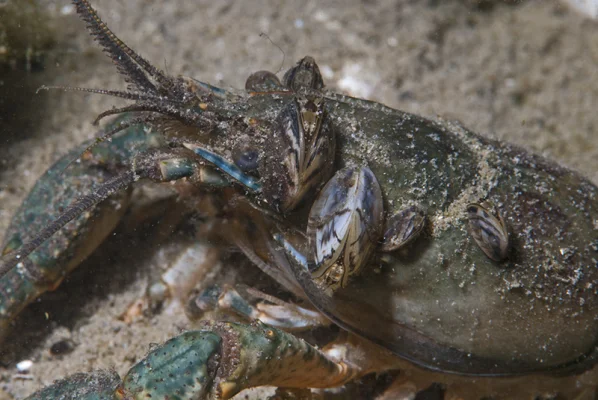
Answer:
(114, 93)
(121, 110)
(128, 63)
(10, 260)
(151, 89)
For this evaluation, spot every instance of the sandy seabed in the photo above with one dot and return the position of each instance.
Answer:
(524, 73)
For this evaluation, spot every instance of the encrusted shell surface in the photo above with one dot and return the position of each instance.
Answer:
(444, 304)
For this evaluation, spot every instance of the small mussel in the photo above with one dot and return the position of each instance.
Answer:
(344, 225)
(489, 230)
(403, 227)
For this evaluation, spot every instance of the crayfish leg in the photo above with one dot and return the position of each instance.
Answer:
(225, 358)
(270, 310)
(52, 233)
(186, 266)
(43, 247)
(95, 385)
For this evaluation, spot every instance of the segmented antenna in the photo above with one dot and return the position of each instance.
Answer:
(163, 96)
(143, 107)
(130, 64)
(120, 110)
(285, 280)
(114, 93)
(73, 211)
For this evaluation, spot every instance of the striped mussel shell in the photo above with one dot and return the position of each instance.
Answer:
(345, 223)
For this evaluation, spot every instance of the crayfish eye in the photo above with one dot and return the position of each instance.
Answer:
(246, 158)
(304, 75)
